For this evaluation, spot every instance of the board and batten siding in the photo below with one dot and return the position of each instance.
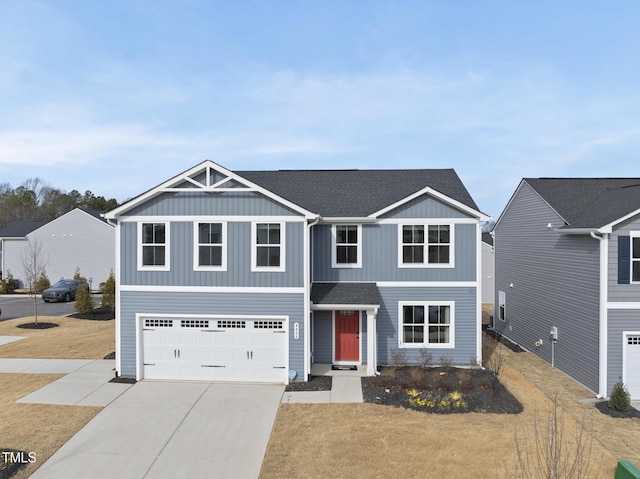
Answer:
(621, 292)
(249, 304)
(211, 204)
(238, 271)
(380, 257)
(550, 279)
(619, 322)
(425, 206)
(466, 322)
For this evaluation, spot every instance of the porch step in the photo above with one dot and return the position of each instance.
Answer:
(341, 367)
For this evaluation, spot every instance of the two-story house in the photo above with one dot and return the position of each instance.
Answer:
(567, 258)
(258, 275)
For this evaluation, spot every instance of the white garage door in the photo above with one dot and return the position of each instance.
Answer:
(253, 350)
(632, 365)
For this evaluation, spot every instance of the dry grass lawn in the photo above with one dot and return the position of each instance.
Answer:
(372, 441)
(43, 428)
(72, 339)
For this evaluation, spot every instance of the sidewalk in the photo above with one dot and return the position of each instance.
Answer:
(344, 389)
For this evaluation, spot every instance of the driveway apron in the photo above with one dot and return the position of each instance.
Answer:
(158, 430)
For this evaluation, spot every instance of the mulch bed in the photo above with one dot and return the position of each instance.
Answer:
(317, 383)
(603, 407)
(110, 355)
(38, 325)
(8, 469)
(440, 390)
(98, 314)
(504, 340)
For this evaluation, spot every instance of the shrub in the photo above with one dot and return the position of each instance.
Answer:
(77, 275)
(426, 357)
(109, 293)
(10, 285)
(41, 284)
(398, 356)
(620, 399)
(84, 303)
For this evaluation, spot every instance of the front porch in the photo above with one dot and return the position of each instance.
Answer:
(322, 369)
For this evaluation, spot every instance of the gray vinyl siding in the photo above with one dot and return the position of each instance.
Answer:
(466, 322)
(621, 292)
(555, 281)
(211, 204)
(425, 207)
(291, 305)
(238, 259)
(380, 257)
(619, 321)
(323, 337)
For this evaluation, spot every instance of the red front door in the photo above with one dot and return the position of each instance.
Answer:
(347, 340)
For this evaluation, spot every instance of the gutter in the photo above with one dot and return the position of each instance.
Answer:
(603, 314)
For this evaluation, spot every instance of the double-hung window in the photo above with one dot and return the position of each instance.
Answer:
(210, 246)
(153, 246)
(425, 245)
(347, 246)
(426, 324)
(635, 258)
(268, 247)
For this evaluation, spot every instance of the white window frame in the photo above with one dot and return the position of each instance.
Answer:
(197, 244)
(502, 305)
(426, 304)
(167, 247)
(335, 244)
(425, 263)
(632, 234)
(254, 247)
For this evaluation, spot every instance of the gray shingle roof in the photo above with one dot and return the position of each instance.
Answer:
(356, 193)
(20, 229)
(589, 202)
(345, 293)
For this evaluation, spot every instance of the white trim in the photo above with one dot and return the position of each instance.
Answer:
(425, 245)
(254, 248)
(603, 336)
(372, 361)
(625, 335)
(206, 166)
(333, 338)
(479, 295)
(334, 246)
(436, 194)
(427, 284)
(608, 228)
(623, 305)
(414, 221)
(452, 338)
(167, 247)
(347, 220)
(118, 315)
(211, 219)
(196, 247)
(331, 307)
(210, 289)
(632, 235)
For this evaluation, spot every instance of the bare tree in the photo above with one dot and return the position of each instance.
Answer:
(34, 263)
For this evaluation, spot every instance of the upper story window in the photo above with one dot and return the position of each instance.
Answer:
(210, 247)
(426, 324)
(422, 245)
(635, 259)
(268, 241)
(347, 246)
(153, 246)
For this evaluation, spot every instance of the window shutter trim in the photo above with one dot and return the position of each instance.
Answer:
(624, 259)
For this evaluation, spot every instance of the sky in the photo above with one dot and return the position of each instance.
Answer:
(118, 96)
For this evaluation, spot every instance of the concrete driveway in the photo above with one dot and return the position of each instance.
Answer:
(173, 430)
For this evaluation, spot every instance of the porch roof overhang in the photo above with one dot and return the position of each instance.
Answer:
(345, 296)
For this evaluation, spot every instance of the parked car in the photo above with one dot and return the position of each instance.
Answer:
(64, 290)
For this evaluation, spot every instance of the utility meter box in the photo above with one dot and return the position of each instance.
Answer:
(554, 333)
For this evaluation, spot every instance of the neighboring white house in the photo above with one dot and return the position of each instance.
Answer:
(77, 239)
(488, 269)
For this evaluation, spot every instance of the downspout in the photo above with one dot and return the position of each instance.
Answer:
(116, 273)
(604, 320)
(308, 277)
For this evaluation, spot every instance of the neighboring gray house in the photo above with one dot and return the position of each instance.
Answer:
(568, 256)
(77, 239)
(488, 269)
(263, 275)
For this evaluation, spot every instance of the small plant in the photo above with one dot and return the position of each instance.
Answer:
(620, 399)
(417, 375)
(77, 275)
(8, 283)
(465, 378)
(425, 357)
(398, 356)
(84, 303)
(109, 293)
(42, 283)
(445, 361)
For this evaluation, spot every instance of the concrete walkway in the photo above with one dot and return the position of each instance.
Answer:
(158, 430)
(344, 389)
